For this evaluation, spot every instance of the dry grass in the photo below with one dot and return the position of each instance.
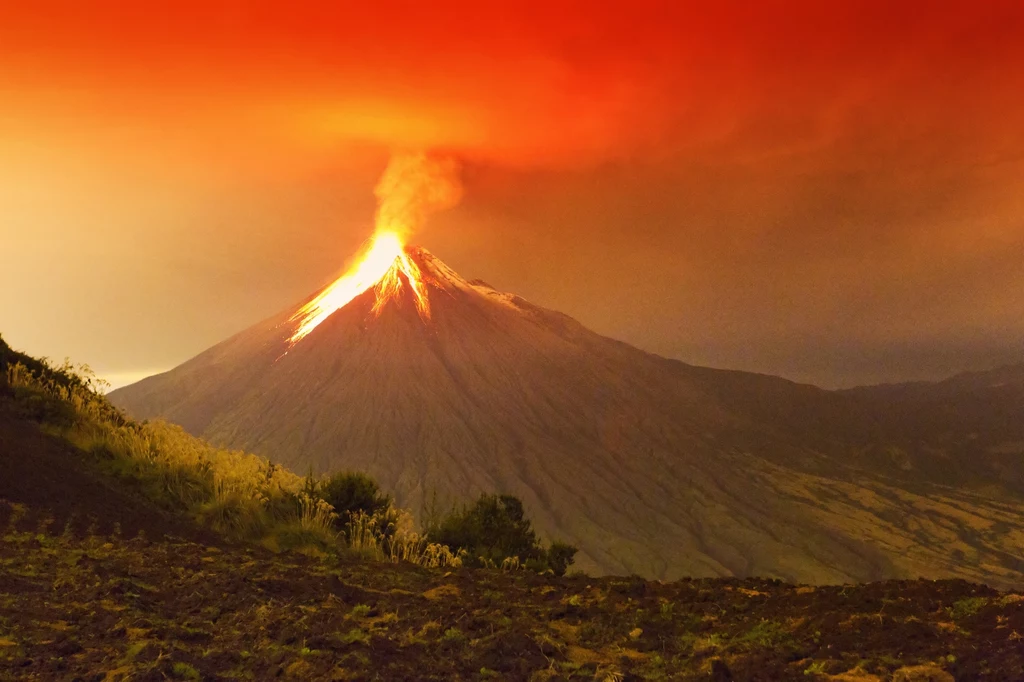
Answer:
(389, 536)
(233, 492)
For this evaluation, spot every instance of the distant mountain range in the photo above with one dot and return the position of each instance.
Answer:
(649, 465)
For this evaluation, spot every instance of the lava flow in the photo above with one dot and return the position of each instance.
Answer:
(381, 268)
(412, 187)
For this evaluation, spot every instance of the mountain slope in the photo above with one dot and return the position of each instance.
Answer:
(967, 428)
(647, 464)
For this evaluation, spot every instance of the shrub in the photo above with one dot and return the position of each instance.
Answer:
(183, 671)
(560, 557)
(493, 531)
(965, 608)
(351, 493)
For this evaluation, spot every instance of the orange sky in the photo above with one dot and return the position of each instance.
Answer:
(830, 191)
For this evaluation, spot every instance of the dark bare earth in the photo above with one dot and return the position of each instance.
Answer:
(111, 608)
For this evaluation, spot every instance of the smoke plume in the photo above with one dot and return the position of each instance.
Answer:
(413, 186)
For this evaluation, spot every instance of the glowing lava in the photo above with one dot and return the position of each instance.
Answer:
(382, 269)
(413, 186)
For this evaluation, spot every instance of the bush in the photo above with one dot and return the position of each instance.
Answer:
(560, 557)
(353, 492)
(494, 531)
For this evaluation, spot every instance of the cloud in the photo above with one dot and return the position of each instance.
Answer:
(528, 83)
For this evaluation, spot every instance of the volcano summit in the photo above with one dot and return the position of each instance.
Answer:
(443, 388)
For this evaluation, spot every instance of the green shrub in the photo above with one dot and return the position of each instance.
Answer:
(183, 671)
(495, 530)
(560, 557)
(766, 634)
(352, 492)
(965, 608)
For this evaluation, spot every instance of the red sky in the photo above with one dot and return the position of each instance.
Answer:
(831, 191)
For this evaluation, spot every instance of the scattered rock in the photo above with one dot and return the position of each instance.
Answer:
(720, 671)
(922, 673)
(442, 592)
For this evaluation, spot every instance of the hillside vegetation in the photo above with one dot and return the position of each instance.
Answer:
(245, 497)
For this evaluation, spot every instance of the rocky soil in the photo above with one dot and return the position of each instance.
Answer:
(107, 607)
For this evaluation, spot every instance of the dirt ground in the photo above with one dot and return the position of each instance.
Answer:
(104, 607)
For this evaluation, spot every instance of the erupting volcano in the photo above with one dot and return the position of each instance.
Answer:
(649, 465)
(412, 187)
(443, 388)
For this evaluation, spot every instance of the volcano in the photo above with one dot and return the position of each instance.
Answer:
(443, 388)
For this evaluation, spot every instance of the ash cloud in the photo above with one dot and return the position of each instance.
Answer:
(413, 186)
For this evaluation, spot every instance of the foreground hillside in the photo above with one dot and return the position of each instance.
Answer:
(108, 573)
(647, 465)
(44, 473)
(117, 608)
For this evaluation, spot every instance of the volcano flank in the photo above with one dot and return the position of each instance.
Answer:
(648, 465)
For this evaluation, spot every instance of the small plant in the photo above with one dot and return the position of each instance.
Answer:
(183, 671)
(360, 611)
(355, 636)
(766, 634)
(965, 608)
(134, 650)
(1010, 599)
(511, 563)
(710, 642)
(315, 513)
(453, 636)
(816, 668)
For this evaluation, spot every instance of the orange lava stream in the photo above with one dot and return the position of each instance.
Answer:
(390, 285)
(381, 268)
